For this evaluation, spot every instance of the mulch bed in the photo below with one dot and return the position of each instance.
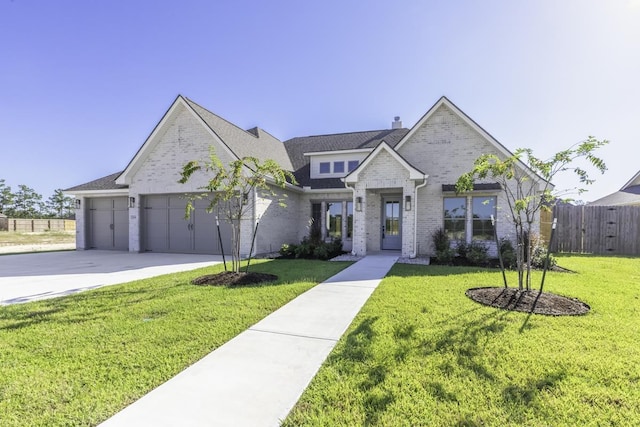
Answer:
(528, 301)
(229, 278)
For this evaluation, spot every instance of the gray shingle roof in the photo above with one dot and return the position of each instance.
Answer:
(254, 142)
(105, 183)
(629, 196)
(296, 147)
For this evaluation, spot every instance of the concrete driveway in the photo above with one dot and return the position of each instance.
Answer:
(35, 276)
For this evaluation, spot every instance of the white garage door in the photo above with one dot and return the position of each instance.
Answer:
(108, 223)
(165, 228)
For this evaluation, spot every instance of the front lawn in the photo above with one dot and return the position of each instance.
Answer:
(78, 360)
(420, 353)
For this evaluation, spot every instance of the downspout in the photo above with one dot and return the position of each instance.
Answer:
(415, 217)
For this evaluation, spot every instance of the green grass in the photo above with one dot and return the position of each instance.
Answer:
(49, 237)
(420, 353)
(78, 360)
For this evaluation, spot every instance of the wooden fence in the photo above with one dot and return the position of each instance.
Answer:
(22, 225)
(602, 230)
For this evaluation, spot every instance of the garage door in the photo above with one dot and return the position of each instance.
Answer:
(108, 223)
(167, 230)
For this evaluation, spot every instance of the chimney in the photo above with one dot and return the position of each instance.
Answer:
(396, 124)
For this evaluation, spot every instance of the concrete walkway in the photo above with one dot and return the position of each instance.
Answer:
(256, 378)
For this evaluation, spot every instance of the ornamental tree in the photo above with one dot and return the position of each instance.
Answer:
(231, 187)
(527, 194)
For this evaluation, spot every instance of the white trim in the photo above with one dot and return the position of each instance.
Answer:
(125, 177)
(631, 181)
(324, 190)
(99, 193)
(322, 153)
(414, 174)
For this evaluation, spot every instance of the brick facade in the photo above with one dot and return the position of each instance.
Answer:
(441, 147)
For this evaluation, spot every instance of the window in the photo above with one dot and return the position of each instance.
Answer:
(338, 167)
(352, 165)
(334, 220)
(349, 220)
(482, 209)
(455, 217)
(325, 167)
(316, 219)
(392, 218)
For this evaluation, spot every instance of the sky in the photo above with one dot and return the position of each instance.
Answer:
(83, 83)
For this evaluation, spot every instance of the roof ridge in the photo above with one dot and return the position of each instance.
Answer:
(225, 120)
(346, 133)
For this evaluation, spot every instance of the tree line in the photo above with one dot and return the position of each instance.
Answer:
(25, 202)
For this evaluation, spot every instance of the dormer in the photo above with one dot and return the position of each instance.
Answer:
(335, 164)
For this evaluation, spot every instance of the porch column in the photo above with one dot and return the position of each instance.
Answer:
(359, 223)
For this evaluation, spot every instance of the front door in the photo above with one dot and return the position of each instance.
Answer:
(391, 223)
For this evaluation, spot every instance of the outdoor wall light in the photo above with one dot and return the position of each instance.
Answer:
(407, 203)
(359, 204)
(132, 202)
(78, 203)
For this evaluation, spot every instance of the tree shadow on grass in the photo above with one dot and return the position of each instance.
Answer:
(76, 308)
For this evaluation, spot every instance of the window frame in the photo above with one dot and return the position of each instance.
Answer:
(324, 165)
(454, 234)
(482, 226)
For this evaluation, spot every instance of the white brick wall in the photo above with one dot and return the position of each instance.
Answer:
(383, 175)
(278, 225)
(183, 139)
(444, 148)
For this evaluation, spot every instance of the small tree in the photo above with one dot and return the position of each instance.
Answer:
(59, 205)
(527, 195)
(6, 197)
(231, 187)
(26, 202)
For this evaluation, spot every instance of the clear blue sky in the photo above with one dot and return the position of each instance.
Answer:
(83, 83)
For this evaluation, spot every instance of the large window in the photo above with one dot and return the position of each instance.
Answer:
(455, 217)
(334, 220)
(482, 209)
(349, 220)
(316, 216)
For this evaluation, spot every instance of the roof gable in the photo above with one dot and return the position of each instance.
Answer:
(444, 101)
(236, 142)
(414, 174)
(179, 105)
(632, 182)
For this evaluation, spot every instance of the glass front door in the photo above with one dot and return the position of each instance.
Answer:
(391, 223)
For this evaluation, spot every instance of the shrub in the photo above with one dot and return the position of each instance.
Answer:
(539, 252)
(442, 244)
(309, 249)
(288, 250)
(477, 253)
(440, 240)
(509, 257)
(462, 249)
(445, 256)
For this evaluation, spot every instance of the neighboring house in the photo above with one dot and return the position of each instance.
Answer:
(376, 190)
(629, 195)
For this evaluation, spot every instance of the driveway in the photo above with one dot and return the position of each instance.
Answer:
(35, 276)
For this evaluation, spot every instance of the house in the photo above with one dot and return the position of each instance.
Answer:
(376, 190)
(628, 195)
